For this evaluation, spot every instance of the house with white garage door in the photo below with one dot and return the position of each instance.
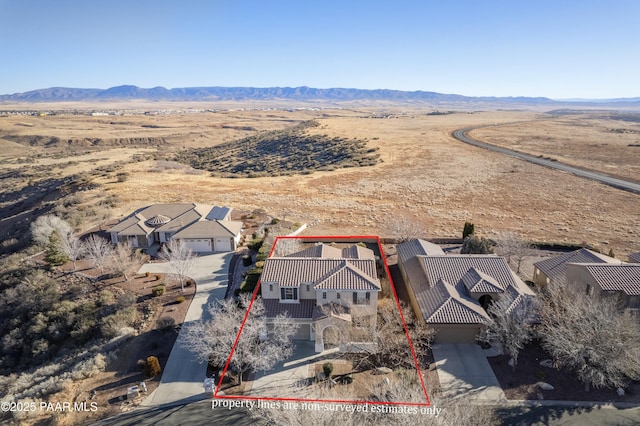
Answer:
(203, 228)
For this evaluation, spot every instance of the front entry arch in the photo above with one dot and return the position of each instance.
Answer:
(330, 337)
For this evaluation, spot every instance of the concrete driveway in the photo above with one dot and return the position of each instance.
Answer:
(286, 379)
(464, 372)
(182, 378)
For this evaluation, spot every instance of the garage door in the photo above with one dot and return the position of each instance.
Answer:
(456, 334)
(199, 246)
(223, 244)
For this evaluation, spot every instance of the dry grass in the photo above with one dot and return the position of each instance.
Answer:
(425, 175)
(597, 140)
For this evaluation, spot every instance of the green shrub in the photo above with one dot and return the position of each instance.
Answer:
(469, 229)
(327, 368)
(152, 367)
(260, 265)
(180, 299)
(275, 221)
(158, 277)
(158, 290)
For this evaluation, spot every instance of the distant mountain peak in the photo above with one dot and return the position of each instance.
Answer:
(301, 93)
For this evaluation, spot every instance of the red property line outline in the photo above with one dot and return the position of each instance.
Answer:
(404, 324)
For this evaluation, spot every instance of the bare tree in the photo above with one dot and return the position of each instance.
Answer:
(72, 247)
(124, 259)
(511, 325)
(180, 259)
(43, 227)
(287, 246)
(404, 229)
(590, 335)
(259, 347)
(98, 250)
(391, 347)
(514, 248)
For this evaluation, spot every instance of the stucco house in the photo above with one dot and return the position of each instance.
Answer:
(608, 280)
(554, 268)
(328, 291)
(451, 292)
(203, 228)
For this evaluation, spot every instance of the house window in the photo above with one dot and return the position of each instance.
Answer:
(337, 295)
(289, 294)
(308, 288)
(270, 287)
(589, 290)
(324, 294)
(361, 298)
(634, 302)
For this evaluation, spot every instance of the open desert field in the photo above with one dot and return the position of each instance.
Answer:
(604, 141)
(425, 176)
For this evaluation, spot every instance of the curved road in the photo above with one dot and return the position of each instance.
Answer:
(462, 136)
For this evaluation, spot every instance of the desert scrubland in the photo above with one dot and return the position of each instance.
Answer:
(425, 176)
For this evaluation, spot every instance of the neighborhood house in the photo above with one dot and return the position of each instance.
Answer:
(452, 292)
(595, 274)
(330, 292)
(203, 228)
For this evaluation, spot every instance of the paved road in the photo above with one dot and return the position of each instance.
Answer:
(462, 136)
(201, 413)
(183, 376)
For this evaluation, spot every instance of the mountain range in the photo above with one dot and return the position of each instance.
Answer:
(130, 92)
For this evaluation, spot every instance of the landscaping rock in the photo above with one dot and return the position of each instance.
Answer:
(547, 363)
(545, 386)
(384, 370)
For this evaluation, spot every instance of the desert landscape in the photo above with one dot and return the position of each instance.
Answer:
(424, 176)
(386, 167)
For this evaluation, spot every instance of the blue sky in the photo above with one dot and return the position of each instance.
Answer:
(552, 48)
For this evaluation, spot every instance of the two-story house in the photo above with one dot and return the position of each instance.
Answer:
(331, 293)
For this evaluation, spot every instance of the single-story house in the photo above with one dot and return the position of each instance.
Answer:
(326, 290)
(203, 228)
(554, 268)
(452, 292)
(608, 280)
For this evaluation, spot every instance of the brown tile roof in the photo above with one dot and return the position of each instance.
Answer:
(555, 267)
(442, 284)
(451, 268)
(302, 310)
(477, 281)
(329, 252)
(319, 250)
(445, 305)
(335, 274)
(625, 277)
(208, 229)
(417, 247)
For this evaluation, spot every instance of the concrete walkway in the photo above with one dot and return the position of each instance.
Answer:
(464, 372)
(182, 378)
